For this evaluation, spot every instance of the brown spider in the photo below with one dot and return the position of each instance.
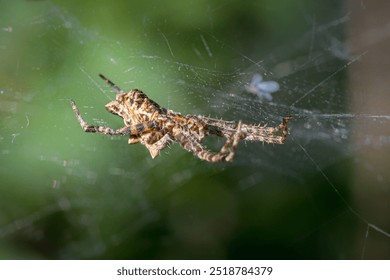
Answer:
(156, 127)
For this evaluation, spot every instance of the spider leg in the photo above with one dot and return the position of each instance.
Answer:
(236, 137)
(226, 153)
(114, 86)
(219, 123)
(283, 125)
(157, 146)
(275, 135)
(127, 130)
(217, 127)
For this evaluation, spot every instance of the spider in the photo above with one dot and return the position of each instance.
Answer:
(156, 127)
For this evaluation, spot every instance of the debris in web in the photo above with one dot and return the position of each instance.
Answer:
(261, 88)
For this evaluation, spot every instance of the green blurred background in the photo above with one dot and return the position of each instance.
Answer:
(65, 194)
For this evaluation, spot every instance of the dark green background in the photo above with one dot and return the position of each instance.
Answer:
(65, 194)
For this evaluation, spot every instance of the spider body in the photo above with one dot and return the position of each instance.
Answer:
(156, 127)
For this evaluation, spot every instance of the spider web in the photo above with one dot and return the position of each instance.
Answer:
(323, 194)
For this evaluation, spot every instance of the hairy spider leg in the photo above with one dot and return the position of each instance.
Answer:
(127, 130)
(249, 132)
(191, 144)
(156, 147)
(271, 135)
(236, 138)
(285, 128)
(114, 86)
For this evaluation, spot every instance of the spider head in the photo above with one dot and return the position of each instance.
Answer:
(116, 106)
